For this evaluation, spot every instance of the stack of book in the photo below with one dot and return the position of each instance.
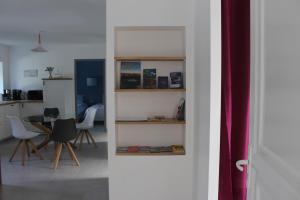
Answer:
(176, 149)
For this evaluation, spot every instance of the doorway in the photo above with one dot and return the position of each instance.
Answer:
(90, 88)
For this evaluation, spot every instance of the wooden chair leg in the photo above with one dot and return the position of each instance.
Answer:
(92, 138)
(35, 149)
(87, 137)
(70, 153)
(73, 154)
(81, 139)
(78, 135)
(15, 150)
(23, 152)
(27, 148)
(57, 155)
(47, 138)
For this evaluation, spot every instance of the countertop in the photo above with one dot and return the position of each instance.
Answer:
(2, 103)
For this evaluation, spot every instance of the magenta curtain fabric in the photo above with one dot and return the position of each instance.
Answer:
(235, 98)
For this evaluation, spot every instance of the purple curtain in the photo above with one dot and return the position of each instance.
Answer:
(235, 98)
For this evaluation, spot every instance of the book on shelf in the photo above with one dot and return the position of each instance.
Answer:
(133, 149)
(176, 149)
(176, 80)
(144, 149)
(167, 149)
(163, 82)
(149, 78)
(154, 149)
(130, 75)
(122, 149)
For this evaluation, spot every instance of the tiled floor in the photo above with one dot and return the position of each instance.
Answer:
(38, 180)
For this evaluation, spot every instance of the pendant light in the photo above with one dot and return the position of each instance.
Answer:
(39, 48)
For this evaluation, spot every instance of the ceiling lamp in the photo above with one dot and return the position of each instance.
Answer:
(39, 48)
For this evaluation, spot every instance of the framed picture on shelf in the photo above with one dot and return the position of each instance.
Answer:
(176, 80)
(163, 82)
(149, 78)
(130, 75)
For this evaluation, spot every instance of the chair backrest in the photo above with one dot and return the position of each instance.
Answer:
(17, 127)
(51, 112)
(90, 115)
(64, 130)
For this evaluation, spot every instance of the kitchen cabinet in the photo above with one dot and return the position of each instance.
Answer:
(2, 123)
(59, 93)
(7, 110)
(20, 109)
(31, 108)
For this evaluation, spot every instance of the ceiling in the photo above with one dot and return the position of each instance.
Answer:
(64, 21)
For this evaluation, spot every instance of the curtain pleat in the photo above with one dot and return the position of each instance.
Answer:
(235, 98)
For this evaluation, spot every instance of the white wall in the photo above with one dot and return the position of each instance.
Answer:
(61, 56)
(4, 57)
(202, 97)
(151, 178)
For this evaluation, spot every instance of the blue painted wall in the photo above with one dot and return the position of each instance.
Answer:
(90, 77)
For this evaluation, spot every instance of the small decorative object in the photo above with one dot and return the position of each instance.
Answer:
(178, 149)
(163, 82)
(181, 110)
(176, 80)
(149, 78)
(130, 75)
(50, 70)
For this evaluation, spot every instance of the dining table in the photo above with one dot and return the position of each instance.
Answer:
(45, 125)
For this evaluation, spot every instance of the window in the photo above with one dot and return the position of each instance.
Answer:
(1, 77)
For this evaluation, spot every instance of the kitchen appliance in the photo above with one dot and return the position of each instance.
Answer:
(35, 95)
(16, 94)
(6, 96)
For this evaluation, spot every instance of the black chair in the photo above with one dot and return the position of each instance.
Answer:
(51, 112)
(64, 130)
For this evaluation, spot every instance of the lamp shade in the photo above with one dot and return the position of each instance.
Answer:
(39, 48)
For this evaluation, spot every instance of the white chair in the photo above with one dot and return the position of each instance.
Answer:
(19, 132)
(85, 125)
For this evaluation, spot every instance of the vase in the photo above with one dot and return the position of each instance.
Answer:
(50, 75)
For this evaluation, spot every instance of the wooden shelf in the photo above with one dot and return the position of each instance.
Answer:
(151, 154)
(140, 58)
(150, 90)
(57, 79)
(167, 121)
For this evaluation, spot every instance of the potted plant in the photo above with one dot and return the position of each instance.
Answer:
(50, 70)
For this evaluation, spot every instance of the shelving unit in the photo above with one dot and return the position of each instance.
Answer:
(167, 121)
(150, 90)
(151, 154)
(144, 58)
(143, 103)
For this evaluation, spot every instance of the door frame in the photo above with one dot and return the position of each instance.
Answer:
(264, 165)
(104, 84)
(256, 90)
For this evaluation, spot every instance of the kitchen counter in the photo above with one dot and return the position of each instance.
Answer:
(2, 103)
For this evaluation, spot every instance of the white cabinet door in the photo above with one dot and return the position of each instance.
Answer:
(2, 123)
(9, 110)
(60, 94)
(275, 99)
(29, 109)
